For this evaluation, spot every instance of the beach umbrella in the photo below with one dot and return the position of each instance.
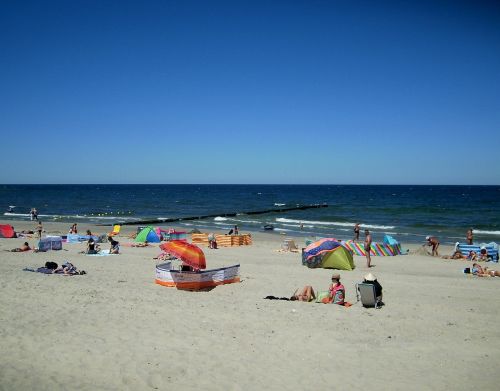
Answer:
(188, 253)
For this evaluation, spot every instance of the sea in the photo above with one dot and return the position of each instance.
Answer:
(407, 213)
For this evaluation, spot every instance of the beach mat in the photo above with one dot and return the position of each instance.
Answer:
(100, 254)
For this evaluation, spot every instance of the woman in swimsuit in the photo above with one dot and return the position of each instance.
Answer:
(306, 294)
(479, 271)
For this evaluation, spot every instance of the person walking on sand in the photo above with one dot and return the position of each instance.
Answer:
(39, 229)
(434, 242)
(356, 232)
(368, 246)
(470, 236)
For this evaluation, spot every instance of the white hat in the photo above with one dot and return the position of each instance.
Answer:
(370, 277)
(427, 237)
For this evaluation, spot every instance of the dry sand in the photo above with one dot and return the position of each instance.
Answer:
(114, 329)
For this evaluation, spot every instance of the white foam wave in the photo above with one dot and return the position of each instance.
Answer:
(279, 204)
(337, 223)
(283, 229)
(219, 218)
(483, 232)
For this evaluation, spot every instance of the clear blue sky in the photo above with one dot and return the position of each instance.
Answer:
(353, 92)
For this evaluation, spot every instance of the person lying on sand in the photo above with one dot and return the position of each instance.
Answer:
(145, 244)
(24, 247)
(479, 271)
(306, 294)
(456, 255)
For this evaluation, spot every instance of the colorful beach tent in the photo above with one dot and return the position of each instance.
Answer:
(7, 231)
(328, 254)
(147, 234)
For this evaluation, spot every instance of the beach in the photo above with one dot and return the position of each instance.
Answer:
(115, 329)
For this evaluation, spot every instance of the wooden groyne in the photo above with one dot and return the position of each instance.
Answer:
(232, 214)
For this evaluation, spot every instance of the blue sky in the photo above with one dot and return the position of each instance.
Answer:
(351, 92)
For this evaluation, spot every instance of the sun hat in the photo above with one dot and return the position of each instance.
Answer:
(336, 277)
(427, 237)
(370, 277)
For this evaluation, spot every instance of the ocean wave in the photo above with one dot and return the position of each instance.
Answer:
(279, 204)
(220, 218)
(484, 232)
(337, 223)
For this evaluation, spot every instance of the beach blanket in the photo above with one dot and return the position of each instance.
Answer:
(104, 253)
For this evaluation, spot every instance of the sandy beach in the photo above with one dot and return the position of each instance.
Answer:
(115, 329)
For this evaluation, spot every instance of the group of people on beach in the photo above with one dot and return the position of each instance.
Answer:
(433, 242)
(93, 247)
(335, 293)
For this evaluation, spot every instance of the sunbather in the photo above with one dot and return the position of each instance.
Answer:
(479, 271)
(24, 247)
(145, 244)
(306, 294)
(472, 256)
(456, 255)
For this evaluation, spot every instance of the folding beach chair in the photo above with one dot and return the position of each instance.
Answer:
(289, 245)
(366, 292)
(116, 230)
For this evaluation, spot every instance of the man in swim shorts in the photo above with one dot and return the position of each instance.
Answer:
(368, 246)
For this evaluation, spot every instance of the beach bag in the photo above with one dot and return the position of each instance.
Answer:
(323, 297)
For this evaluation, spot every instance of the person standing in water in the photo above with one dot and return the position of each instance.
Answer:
(368, 246)
(356, 232)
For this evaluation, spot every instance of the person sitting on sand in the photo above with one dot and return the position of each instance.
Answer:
(483, 254)
(306, 294)
(212, 243)
(456, 255)
(336, 292)
(92, 246)
(115, 246)
(24, 247)
(472, 256)
(434, 242)
(479, 271)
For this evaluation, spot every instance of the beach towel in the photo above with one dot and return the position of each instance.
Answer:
(100, 254)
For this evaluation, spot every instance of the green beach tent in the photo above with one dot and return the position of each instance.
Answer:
(147, 234)
(328, 254)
